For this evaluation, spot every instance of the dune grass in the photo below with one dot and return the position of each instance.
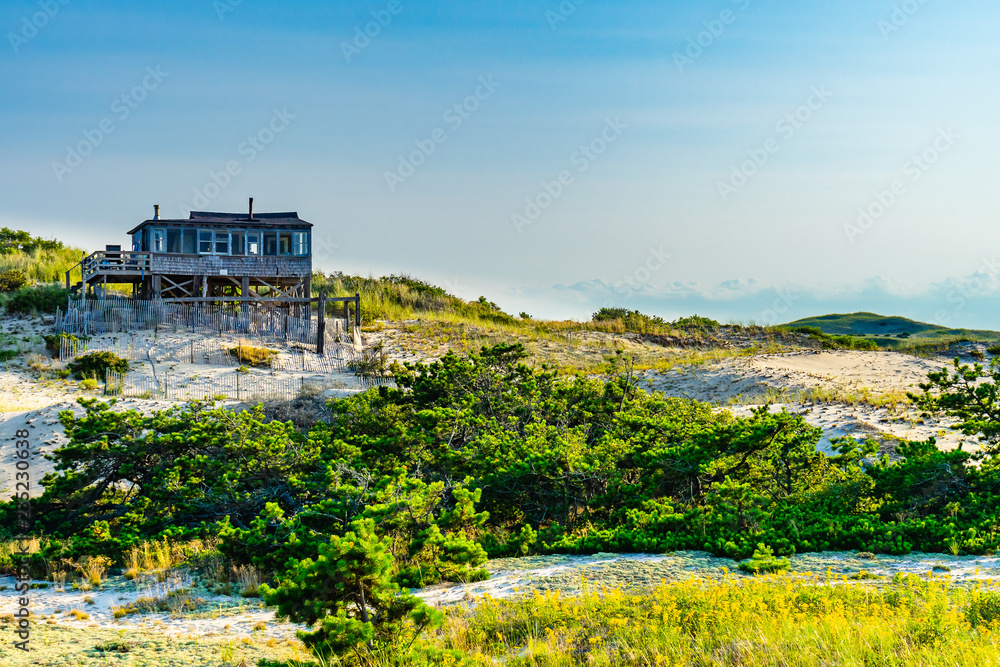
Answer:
(817, 620)
(45, 265)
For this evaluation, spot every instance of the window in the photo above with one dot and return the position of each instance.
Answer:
(137, 242)
(204, 241)
(271, 243)
(285, 243)
(237, 235)
(222, 242)
(159, 240)
(174, 242)
(300, 243)
(189, 246)
(253, 243)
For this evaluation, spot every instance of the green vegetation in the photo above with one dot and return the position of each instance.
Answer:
(971, 394)
(54, 341)
(630, 320)
(12, 279)
(483, 455)
(764, 622)
(35, 299)
(836, 342)
(34, 258)
(764, 562)
(402, 298)
(97, 364)
(892, 332)
(258, 357)
(32, 271)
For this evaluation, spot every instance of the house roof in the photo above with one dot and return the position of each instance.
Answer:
(264, 220)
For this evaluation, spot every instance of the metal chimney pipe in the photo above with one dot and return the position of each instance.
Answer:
(156, 211)
(251, 208)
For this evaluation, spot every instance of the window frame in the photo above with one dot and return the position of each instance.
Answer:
(300, 244)
(254, 238)
(159, 240)
(233, 235)
(284, 237)
(202, 233)
(222, 234)
(269, 235)
(179, 231)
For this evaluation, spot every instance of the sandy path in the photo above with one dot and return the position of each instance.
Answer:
(216, 614)
(843, 371)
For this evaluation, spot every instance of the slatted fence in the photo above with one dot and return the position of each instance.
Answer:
(233, 385)
(116, 314)
(336, 357)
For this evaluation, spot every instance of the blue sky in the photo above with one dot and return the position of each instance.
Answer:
(714, 156)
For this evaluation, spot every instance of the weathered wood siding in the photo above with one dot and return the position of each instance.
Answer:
(214, 265)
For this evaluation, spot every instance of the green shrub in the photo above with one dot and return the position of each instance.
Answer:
(113, 646)
(89, 384)
(12, 279)
(41, 298)
(695, 322)
(54, 341)
(97, 365)
(763, 561)
(259, 357)
(348, 594)
(630, 320)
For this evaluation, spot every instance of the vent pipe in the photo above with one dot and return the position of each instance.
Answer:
(156, 211)
(251, 208)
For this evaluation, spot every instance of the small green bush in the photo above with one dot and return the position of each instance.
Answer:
(254, 356)
(113, 647)
(12, 279)
(695, 322)
(763, 561)
(41, 298)
(89, 384)
(630, 320)
(97, 365)
(53, 341)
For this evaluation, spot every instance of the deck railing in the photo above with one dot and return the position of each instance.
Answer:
(114, 261)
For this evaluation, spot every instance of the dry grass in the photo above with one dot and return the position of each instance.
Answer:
(259, 357)
(249, 579)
